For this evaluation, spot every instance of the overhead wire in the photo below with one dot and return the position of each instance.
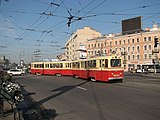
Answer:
(25, 34)
(77, 18)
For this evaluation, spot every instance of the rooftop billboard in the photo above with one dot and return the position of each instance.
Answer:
(132, 25)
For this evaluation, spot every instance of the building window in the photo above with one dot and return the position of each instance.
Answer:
(132, 40)
(138, 50)
(115, 42)
(150, 56)
(124, 66)
(133, 48)
(145, 39)
(137, 57)
(101, 44)
(133, 57)
(110, 43)
(149, 47)
(88, 46)
(149, 38)
(128, 49)
(120, 42)
(128, 41)
(137, 40)
(124, 49)
(111, 50)
(92, 52)
(145, 47)
(124, 41)
(98, 44)
(145, 56)
(128, 57)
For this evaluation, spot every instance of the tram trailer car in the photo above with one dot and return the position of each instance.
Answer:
(107, 68)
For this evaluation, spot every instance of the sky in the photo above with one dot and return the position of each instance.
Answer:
(37, 29)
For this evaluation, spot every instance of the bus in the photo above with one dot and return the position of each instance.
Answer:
(106, 68)
(148, 68)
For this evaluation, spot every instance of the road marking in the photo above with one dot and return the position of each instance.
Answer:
(81, 88)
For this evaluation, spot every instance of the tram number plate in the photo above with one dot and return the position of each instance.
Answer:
(115, 75)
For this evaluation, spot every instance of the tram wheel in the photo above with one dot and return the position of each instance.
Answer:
(76, 76)
(58, 75)
(38, 73)
(93, 79)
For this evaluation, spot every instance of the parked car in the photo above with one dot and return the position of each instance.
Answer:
(23, 71)
(15, 72)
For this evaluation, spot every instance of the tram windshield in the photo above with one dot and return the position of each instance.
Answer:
(115, 62)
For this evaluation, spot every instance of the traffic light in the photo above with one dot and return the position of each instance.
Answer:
(156, 41)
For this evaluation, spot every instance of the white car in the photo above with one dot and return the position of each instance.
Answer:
(15, 72)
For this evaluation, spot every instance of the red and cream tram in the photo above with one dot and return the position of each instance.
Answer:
(106, 68)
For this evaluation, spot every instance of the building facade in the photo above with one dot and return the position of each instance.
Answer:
(137, 48)
(75, 47)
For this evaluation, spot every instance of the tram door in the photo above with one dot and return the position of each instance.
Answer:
(101, 64)
(87, 68)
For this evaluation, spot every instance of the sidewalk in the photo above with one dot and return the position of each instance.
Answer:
(8, 112)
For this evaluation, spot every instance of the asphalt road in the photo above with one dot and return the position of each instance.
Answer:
(67, 98)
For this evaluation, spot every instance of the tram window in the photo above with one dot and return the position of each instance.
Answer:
(92, 64)
(68, 65)
(60, 65)
(73, 65)
(115, 62)
(40, 66)
(47, 65)
(35, 66)
(51, 65)
(106, 63)
(77, 64)
(83, 64)
(86, 64)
